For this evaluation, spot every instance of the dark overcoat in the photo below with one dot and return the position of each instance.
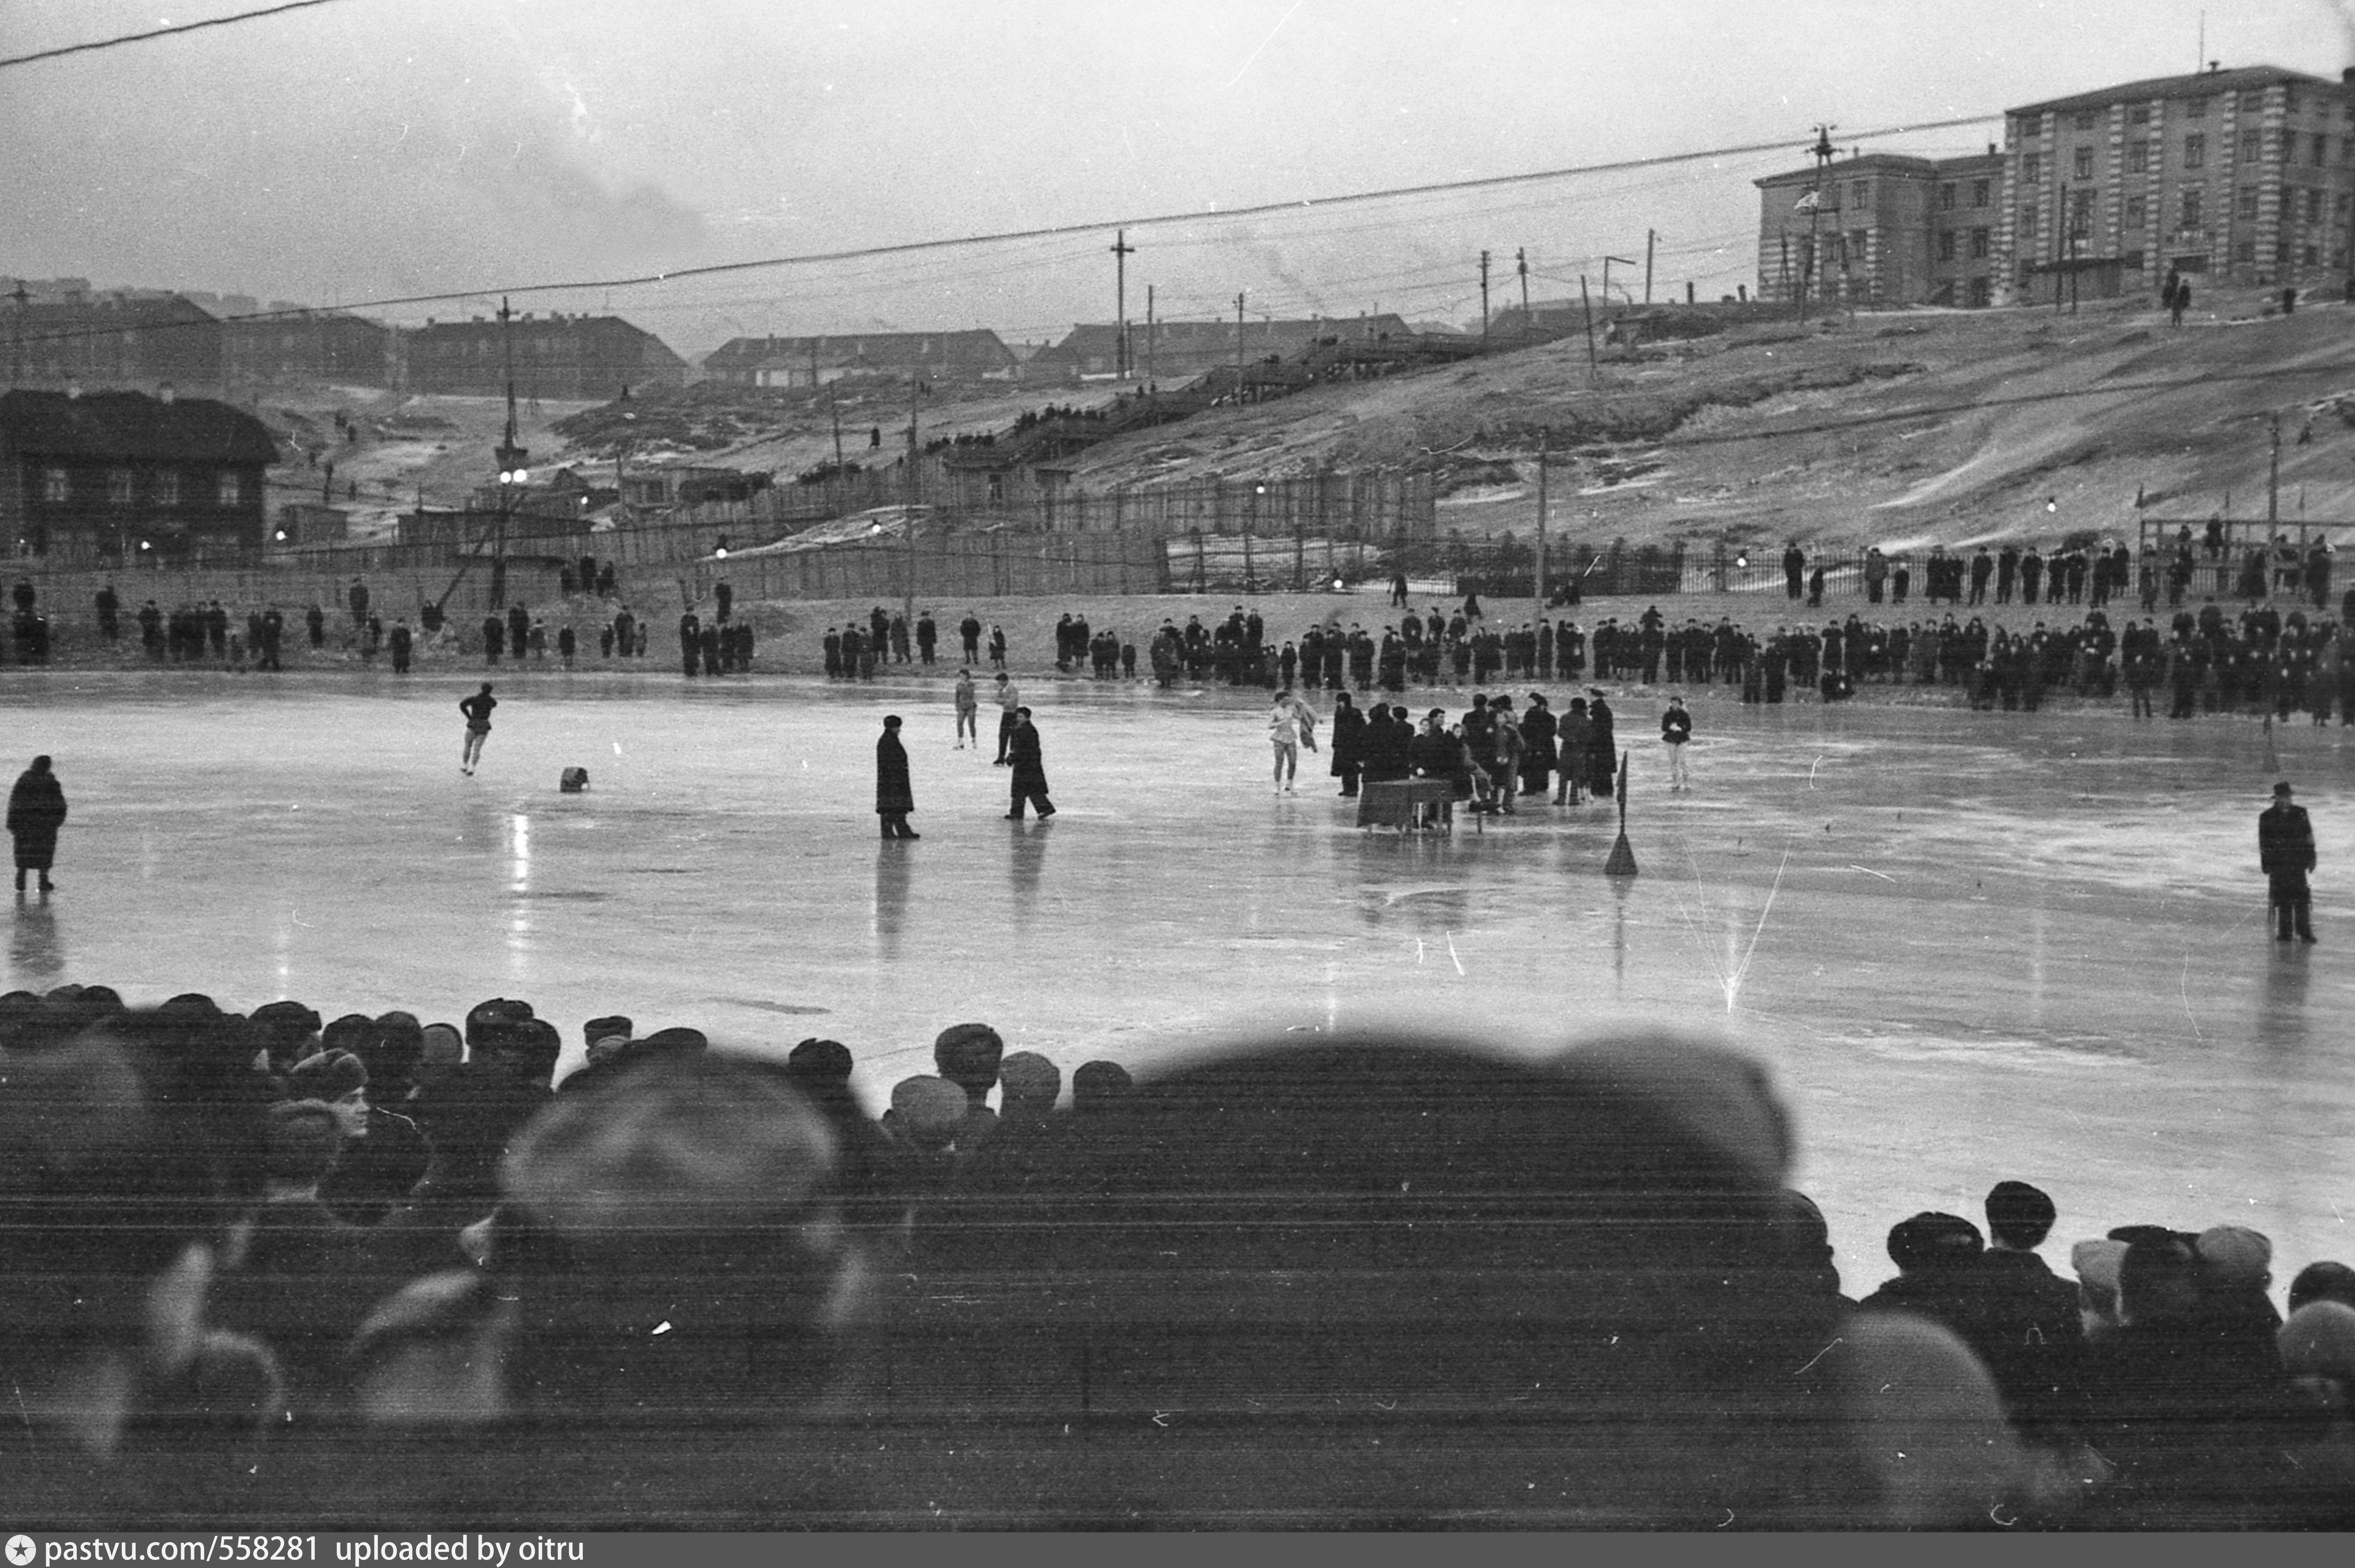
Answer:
(36, 809)
(1030, 766)
(893, 792)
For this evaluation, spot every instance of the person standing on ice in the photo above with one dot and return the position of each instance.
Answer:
(895, 796)
(1676, 729)
(36, 809)
(1289, 721)
(2285, 849)
(1029, 779)
(477, 709)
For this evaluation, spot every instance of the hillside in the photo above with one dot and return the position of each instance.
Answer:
(1900, 428)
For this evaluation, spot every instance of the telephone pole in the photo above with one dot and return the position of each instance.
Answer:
(1651, 238)
(1484, 298)
(1148, 335)
(1594, 370)
(1239, 349)
(513, 474)
(1121, 252)
(1541, 523)
(1521, 266)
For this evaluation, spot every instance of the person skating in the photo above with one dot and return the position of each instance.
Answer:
(2285, 849)
(1676, 729)
(968, 711)
(1029, 781)
(1009, 704)
(1289, 722)
(894, 795)
(36, 809)
(477, 709)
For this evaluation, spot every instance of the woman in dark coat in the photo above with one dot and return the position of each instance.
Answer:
(36, 809)
(1537, 736)
(894, 795)
(1348, 743)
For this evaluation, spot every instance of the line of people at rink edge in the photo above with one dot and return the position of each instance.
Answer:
(2094, 574)
(280, 1269)
(854, 650)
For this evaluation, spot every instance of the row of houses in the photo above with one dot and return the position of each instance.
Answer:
(2243, 177)
(62, 333)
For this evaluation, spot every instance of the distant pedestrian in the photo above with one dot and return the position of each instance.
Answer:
(894, 795)
(1009, 704)
(477, 709)
(2285, 849)
(403, 642)
(1029, 780)
(36, 809)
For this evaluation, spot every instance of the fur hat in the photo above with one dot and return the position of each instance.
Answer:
(329, 1075)
(2235, 1254)
(926, 1111)
(300, 1141)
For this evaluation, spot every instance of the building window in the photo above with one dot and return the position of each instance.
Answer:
(1854, 253)
(2131, 261)
(2281, 252)
(2081, 211)
(167, 488)
(2248, 211)
(1946, 196)
(1946, 244)
(2084, 119)
(2028, 223)
(2321, 150)
(2347, 149)
(2137, 212)
(2084, 164)
(1979, 197)
(55, 486)
(2195, 109)
(2345, 203)
(2310, 251)
(232, 488)
(2289, 99)
(1860, 191)
(2252, 102)
(2194, 211)
(118, 487)
(2137, 156)
(2247, 251)
(1978, 244)
(2313, 207)
(2028, 168)
(2138, 115)
(2195, 150)
(1981, 294)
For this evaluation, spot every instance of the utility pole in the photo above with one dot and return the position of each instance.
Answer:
(1239, 350)
(2273, 485)
(915, 388)
(1521, 266)
(1121, 252)
(1541, 523)
(2061, 220)
(1651, 238)
(16, 335)
(1484, 299)
(513, 474)
(1148, 335)
(834, 411)
(1594, 370)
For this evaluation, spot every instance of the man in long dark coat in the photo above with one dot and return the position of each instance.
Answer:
(894, 795)
(1602, 746)
(1029, 781)
(1348, 743)
(2285, 849)
(36, 809)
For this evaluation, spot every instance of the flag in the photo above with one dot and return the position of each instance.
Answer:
(1808, 202)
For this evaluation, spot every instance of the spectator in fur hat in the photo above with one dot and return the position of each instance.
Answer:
(300, 1281)
(442, 1050)
(289, 1030)
(1097, 1086)
(1938, 1274)
(336, 1078)
(388, 1156)
(967, 1055)
(2322, 1282)
(2034, 1327)
(816, 1062)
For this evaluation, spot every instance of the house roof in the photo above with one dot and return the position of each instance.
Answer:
(1101, 339)
(973, 346)
(132, 426)
(1842, 168)
(2200, 84)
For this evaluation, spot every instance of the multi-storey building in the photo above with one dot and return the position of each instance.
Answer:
(1883, 230)
(976, 354)
(2247, 176)
(557, 356)
(64, 335)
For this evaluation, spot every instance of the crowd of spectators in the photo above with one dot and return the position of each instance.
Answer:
(279, 1270)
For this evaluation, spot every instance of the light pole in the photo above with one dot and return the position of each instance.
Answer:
(513, 474)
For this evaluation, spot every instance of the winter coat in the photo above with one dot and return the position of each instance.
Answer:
(36, 809)
(893, 792)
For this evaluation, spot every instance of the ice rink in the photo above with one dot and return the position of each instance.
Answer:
(1969, 946)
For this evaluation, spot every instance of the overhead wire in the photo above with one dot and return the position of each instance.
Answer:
(164, 32)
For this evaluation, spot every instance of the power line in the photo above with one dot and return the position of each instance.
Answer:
(917, 247)
(161, 33)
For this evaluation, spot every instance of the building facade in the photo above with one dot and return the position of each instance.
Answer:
(2246, 177)
(60, 336)
(1883, 230)
(571, 357)
(123, 478)
(309, 346)
(1164, 349)
(975, 355)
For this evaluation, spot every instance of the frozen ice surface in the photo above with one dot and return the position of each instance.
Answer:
(1969, 946)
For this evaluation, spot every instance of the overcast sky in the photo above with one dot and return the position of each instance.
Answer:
(376, 148)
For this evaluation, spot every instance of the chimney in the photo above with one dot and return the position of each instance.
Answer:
(164, 393)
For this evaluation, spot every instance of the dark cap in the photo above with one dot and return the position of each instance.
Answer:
(301, 1141)
(2281, 789)
(329, 1075)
